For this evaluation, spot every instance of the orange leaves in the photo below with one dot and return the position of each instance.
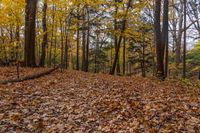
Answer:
(39, 125)
(74, 101)
(15, 117)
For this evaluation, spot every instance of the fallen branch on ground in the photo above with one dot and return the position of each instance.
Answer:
(29, 77)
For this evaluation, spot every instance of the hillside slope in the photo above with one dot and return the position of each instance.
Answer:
(72, 101)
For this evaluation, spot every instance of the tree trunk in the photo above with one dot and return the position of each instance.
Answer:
(124, 57)
(96, 69)
(52, 35)
(165, 34)
(83, 43)
(116, 27)
(55, 45)
(29, 49)
(120, 39)
(143, 57)
(158, 40)
(12, 54)
(179, 38)
(18, 42)
(184, 46)
(199, 75)
(62, 45)
(45, 39)
(77, 47)
(88, 42)
(66, 50)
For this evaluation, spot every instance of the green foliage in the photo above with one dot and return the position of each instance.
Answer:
(140, 50)
(193, 58)
(98, 60)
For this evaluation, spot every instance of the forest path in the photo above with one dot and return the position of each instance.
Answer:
(72, 101)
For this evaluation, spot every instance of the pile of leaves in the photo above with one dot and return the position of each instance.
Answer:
(72, 101)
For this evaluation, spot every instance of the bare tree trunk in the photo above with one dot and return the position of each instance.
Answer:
(124, 57)
(52, 35)
(62, 45)
(111, 54)
(158, 40)
(179, 38)
(88, 41)
(17, 48)
(29, 49)
(38, 39)
(96, 69)
(77, 43)
(12, 54)
(55, 45)
(18, 41)
(165, 34)
(66, 50)
(143, 57)
(184, 46)
(116, 27)
(83, 43)
(45, 39)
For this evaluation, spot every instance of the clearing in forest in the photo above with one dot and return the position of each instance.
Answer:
(80, 102)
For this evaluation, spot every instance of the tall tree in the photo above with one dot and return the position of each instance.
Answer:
(120, 38)
(29, 49)
(165, 39)
(184, 46)
(124, 56)
(179, 37)
(158, 40)
(116, 27)
(62, 44)
(53, 27)
(84, 41)
(88, 40)
(77, 42)
(45, 39)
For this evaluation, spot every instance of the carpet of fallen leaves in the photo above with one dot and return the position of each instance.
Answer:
(8, 73)
(78, 102)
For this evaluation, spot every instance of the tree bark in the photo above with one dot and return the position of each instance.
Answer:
(120, 38)
(143, 57)
(66, 50)
(96, 62)
(88, 41)
(52, 35)
(124, 57)
(199, 75)
(29, 49)
(83, 43)
(116, 27)
(45, 36)
(165, 34)
(179, 38)
(62, 45)
(77, 43)
(184, 46)
(158, 40)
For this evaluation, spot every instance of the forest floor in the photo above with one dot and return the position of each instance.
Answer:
(78, 102)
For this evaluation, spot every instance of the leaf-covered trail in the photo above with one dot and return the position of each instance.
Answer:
(80, 102)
